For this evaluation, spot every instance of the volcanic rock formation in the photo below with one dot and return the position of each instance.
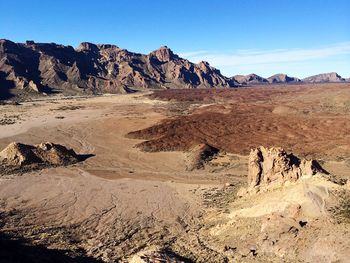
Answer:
(17, 156)
(250, 79)
(282, 78)
(97, 68)
(274, 166)
(325, 77)
(199, 154)
(256, 79)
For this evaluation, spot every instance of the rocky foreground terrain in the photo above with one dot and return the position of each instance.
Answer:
(219, 175)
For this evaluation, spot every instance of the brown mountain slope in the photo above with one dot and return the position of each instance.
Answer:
(250, 79)
(47, 67)
(325, 77)
(282, 78)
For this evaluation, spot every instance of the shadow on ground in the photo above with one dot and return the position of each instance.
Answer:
(18, 250)
(83, 157)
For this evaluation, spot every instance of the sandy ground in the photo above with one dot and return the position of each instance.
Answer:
(122, 200)
(113, 204)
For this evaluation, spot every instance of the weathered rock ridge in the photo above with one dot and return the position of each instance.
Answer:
(250, 79)
(268, 166)
(325, 77)
(282, 78)
(253, 79)
(93, 68)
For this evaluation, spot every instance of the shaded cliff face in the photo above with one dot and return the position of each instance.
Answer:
(47, 67)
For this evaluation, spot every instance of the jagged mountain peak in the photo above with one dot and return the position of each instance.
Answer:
(87, 46)
(164, 54)
(98, 68)
(205, 66)
(7, 45)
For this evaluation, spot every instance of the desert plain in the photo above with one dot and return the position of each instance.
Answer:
(144, 195)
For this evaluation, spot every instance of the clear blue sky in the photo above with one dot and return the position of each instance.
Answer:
(298, 37)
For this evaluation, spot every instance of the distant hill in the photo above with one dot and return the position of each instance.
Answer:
(250, 79)
(98, 68)
(256, 79)
(282, 78)
(325, 77)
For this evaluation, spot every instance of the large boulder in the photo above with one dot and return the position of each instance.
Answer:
(19, 155)
(268, 166)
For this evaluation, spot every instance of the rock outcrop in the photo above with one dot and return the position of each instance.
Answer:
(198, 155)
(325, 77)
(98, 68)
(253, 79)
(282, 78)
(17, 156)
(271, 166)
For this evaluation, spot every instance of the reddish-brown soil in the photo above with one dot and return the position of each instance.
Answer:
(309, 120)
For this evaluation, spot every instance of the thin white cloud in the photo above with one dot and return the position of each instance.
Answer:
(255, 57)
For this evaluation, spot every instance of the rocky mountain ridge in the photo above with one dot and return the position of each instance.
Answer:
(253, 79)
(98, 68)
(325, 77)
(250, 79)
(282, 78)
(42, 68)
